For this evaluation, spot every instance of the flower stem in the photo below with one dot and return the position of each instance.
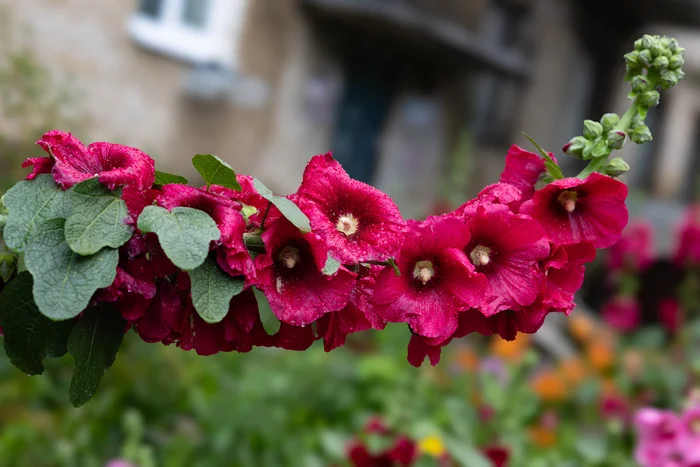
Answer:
(264, 218)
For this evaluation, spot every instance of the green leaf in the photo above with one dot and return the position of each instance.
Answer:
(331, 267)
(183, 233)
(163, 178)
(268, 318)
(552, 167)
(214, 171)
(64, 281)
(29, 336)
(30, 204)
(288, 209)
(464, 454)
(212, 290)
(8, 262)
(93, 343)
(98, 218)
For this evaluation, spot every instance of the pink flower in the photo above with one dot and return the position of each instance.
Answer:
(403, 453)
(622, 313)
(40, 165)
(249, 197)
(564, 270)
(506, 248)
(419, 348)
(289, 274)
(634, 250)
(658, 435)
(573, 210)
(436, 282)
(357, 221)
(358, 315)
(614, 407)
(119, 463)
(670, 314)
(690, 429)
(688, 249)
(114, 164)
(523, 170)
(498, 193)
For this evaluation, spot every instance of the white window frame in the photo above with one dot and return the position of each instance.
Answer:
(216, 41)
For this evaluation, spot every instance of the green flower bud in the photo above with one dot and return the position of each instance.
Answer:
(609, 121)
(661, 63)
(591, 129)
(645, 58)
(657, 50)
(640, 84)
(632, 59)
(677, 61)
(673, 45)
(665, 42)
(638, 45)
(668, 79)
(648, 41)
(600, 149)
(616, 139)
(641, 134)
(650, 99)
(575, 146)
(616, 167)
(588, 150)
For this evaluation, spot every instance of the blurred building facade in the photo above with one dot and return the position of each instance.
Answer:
(394, 87)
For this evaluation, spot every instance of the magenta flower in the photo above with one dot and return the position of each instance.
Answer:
(688, 248)
(115, 165)
(39, 165)
(436, 282)
(498, 193)
(670, 314)
(523, 170)
(634, 250)
(506, 248)
(564, 269)
(613, 407)
(358, 315)
(498, 455)
(289, 274)
(572, 210)
(419, 348)
(658, 434)
(690, 431)
(622, 313)
(357, 221)
(248, 197)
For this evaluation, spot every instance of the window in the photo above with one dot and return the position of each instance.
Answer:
(197, 31)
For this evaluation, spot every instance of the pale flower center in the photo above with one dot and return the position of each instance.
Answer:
(347, 224)
(424, 271)
(289, 256)
(568, 200)
(480, 255)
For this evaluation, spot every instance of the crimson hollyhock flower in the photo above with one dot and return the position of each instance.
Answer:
(39, 165)
(670, 314)
(622, 313)
(498, 193)
(289, 273)
(356, 220)
(688, 248)
(572, 210)
(506, 248)
(248, 197)
(403, 453)
(436, 282)
(564, 270)
(137, 200)
(634, 250)
(523, 170)
(114, 165)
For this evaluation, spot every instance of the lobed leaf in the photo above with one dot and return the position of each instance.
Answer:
(288, 209)
(30, 337)
(93, 343)
(98, 218)
(212, 290)
(214, 171)
(30, 204)
(183, 233)
(64, 282)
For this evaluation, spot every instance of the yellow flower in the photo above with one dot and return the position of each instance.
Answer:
(511, 351)
(432, 446)
(581, 327)
(542, 437)
(601, 355)
(573, 370)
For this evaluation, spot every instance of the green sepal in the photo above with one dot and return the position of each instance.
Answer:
(213, 289)
(64, 282)
(30, 337)
(98, 218)
(214, 171)
(269, 320)
(552, 167)
(184, 233)
(288, 209)
(93, 343)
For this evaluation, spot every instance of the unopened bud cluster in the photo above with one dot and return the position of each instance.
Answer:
(598, 139)
(655, 61)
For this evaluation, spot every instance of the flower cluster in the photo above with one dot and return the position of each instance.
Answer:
(496, 265)
(666, 438)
